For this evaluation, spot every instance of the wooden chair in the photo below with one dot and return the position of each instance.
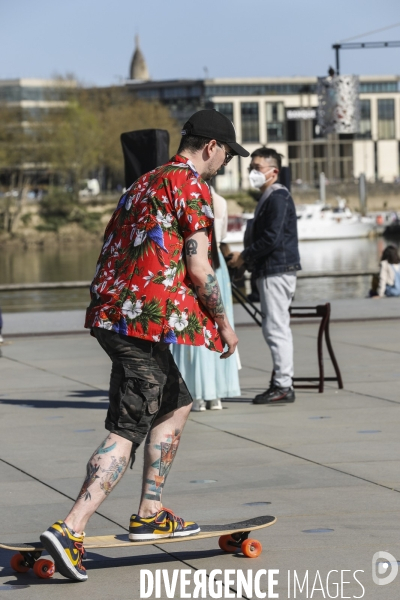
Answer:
(297, 312)
(324, 312)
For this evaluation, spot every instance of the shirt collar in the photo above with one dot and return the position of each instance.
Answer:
(178, 158)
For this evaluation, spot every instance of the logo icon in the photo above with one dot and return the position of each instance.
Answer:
(384, 568)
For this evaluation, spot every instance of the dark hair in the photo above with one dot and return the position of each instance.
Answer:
(391, 255)
(193, 143)
(268, 153)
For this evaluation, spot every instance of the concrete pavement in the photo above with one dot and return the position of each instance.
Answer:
(326, 466)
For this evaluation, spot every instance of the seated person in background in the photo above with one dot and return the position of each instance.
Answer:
(388, 283)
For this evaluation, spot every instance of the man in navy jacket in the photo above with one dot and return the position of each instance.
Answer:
(272, 254)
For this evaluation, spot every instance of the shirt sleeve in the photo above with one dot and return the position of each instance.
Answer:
(193, 205)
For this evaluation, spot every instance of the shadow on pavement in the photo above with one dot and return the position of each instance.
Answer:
(250, 401)
(54, 403)
(88, 394)
(104, 562)
(236, 399)
(29, 579)
(98, 561)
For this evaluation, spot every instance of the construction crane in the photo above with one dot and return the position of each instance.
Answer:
(358, 46)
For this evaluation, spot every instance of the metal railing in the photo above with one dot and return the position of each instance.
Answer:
(62, 285)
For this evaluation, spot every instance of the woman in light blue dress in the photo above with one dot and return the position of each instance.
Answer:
(207, 376)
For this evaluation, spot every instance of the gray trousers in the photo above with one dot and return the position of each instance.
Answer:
(276, 293)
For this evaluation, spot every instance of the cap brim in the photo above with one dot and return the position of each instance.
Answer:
(238, 149)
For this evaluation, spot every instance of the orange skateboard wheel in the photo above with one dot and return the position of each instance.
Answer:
(44, 568)
(17, 563)
(225, 545)
(251, 548)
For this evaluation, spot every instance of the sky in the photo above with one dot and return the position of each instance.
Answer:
(94, 39)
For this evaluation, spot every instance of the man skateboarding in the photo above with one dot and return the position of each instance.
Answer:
(153, 286)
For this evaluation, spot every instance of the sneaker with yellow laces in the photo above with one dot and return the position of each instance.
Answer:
(66, 548)
(162, 524)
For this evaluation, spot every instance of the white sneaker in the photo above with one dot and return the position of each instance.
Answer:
(214, 404)
(1, 339)
(198, 406)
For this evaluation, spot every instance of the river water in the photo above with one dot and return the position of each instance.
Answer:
(78, 264)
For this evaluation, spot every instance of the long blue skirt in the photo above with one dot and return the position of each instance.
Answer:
(206, 375)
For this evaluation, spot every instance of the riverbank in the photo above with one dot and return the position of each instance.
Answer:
(68, 236)
(59, 220)
(83, 222)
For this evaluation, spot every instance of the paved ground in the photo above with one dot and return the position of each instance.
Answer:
(326, 466)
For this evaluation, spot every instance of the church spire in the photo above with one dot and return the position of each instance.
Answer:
(138, 69)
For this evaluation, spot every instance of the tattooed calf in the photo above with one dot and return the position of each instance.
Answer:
(91, 476)
(103, 450)
(163, 464)
(116, 469)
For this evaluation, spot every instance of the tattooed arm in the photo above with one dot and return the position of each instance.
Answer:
(206, 286)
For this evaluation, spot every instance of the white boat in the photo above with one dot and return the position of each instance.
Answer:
(320, 221)
(316, 221)
(236, 229)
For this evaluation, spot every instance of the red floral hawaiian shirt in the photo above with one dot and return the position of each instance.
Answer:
(141, 287)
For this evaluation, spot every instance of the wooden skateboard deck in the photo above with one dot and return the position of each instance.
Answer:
(233, 537)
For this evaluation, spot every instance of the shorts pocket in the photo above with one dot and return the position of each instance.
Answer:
(139, 402)
(152, 394)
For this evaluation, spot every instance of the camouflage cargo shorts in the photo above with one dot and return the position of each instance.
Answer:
(145, 383)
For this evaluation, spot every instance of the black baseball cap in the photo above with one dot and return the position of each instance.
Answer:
(212, 124)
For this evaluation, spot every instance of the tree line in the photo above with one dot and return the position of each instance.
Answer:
(78, 139)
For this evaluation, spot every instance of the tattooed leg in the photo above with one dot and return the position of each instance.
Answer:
(103, 471)
(160, 450)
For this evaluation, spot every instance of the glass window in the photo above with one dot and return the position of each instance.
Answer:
(386, 119)
(43, 93)
(148, 94)
(17, 93)
(364, 130)
(10, 93)
(276, 130)
(294, 130)
(32, 93)
(260, 89)
(195, 91)
(174, 92)
(226, 108)
(250, 127)
(319, 150)
(379, 86)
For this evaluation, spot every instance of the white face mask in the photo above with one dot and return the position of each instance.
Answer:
(257, 179)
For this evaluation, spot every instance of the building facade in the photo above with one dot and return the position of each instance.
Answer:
(29, 99)
(282, 113)
(35, 95)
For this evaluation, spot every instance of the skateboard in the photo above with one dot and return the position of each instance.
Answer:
(233, 537)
